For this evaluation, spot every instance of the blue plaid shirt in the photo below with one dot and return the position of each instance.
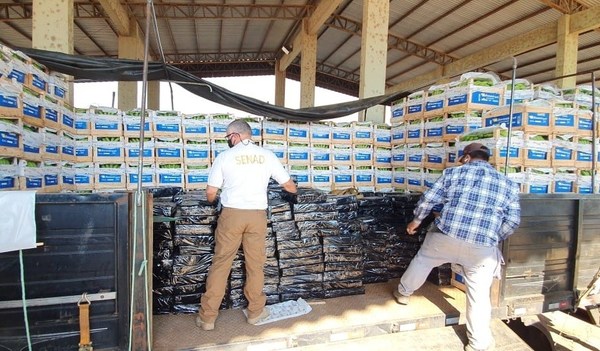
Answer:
(480, 205)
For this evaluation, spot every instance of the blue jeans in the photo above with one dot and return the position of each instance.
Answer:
(479, 264)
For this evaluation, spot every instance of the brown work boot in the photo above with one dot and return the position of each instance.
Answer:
(401, 299)
(204, 325)
(261, 317)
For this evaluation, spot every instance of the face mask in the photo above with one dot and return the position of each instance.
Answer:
(230, 143)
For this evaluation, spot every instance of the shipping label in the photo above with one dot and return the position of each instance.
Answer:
(9, 139)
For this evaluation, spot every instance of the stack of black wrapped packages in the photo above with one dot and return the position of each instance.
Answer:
(376, 213)
(164, 210)
(343, 249)
(194, 244)
(299, 249)
(408, 245)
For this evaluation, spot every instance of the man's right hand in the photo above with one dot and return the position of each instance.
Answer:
(412, 227)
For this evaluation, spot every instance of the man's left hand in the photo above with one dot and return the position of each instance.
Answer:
(412, 227)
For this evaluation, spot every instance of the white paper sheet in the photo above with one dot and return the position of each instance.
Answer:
(17, 220)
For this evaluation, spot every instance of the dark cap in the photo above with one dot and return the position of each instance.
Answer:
(473, 147)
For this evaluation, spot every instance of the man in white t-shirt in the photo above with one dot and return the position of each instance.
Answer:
(242, 174)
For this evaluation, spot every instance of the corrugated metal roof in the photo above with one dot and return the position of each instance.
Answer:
(245, 37)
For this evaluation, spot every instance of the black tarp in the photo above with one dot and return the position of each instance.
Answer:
(84, 68)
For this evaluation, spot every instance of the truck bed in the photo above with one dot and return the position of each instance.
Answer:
(332, 320)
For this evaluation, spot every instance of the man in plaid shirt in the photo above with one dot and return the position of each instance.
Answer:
(479, 208)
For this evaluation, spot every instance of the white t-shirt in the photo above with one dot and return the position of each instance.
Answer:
(243, 172)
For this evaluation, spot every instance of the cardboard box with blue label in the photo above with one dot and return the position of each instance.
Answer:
(433, 128)
(52, 142)
(565, 180)
(33, 108)
(362, 154)
(274, 129)
(195, 126)
(301, 174)
(170, 174)
(167, 124)
(342, 154)
(82, 122)
(11, 140)
(342, 133)
(11, 103)
(399, 155)
(435, 100)
(342, 177)
(32, 177)
(537, 150)
(399, 178)
(133, 174)
(525, 117)
(33, 140)
(415, 103)
(362, 132)
(196, 176)
(320, 132)
(398, 134)
(383, 156)
(132, 123)
(564, 149)
(398, 109)
(196, 151)
(468, 94)
(110, 176)
(382, 134)
(538, 181)
(108, 149)
(83, 174)
(320, 154)
(106, 121)
(132, 150)
(298, 153)
(278, 147)
(168, 150)
(298, 132)
(563, 120)
(321, 177)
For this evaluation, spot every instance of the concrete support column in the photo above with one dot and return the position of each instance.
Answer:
(279, 84)
(154, 96)
(373, 55)
(130, 47)
(52, 29)
(566, 53)
(308, 67)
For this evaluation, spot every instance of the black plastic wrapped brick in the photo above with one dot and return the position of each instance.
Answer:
(196, 220)
(295, 244)
(295, 262)
(301, 270)
(315, 216)
(314, 207)
(194, 229)
(300, 252)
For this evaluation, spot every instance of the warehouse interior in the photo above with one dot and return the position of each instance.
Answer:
(367, 49)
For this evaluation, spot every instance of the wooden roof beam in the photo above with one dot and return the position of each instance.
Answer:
(582, 21)
(117, 15)
(315, 21)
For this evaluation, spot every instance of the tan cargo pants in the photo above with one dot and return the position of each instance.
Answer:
(235, 227)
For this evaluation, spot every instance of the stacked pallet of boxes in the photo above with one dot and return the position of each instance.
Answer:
(132, 144)
(551, 146)
(426, 124)
(108, 148)
(363, 156)
(301, 160)
(168, 148)
(195, 129)
(32, 150)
